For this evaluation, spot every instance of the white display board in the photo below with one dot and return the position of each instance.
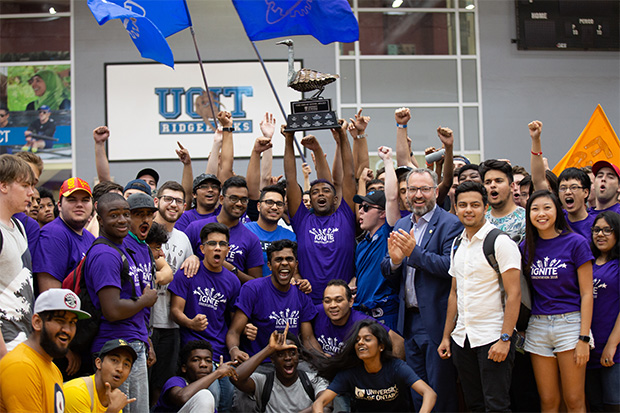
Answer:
(149, 107)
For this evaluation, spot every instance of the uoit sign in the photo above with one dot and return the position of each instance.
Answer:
(150, 107)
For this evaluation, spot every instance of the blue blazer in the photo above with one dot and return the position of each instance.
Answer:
(431, 259)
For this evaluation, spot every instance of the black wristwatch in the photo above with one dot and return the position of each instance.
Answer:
(228, 129)
(585, 339)
(505, 337)
(235, 270)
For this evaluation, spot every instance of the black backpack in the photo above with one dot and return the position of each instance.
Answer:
(488, 248)
(270, 377)
(87, 329)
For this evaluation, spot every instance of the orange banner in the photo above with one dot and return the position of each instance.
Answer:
(597, 142)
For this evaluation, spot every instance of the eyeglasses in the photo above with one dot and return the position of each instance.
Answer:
(171, 199)
(606, 231)
(271, 202)
(234, 199)
(424, 189)
(207, 186)
(572, 188)
(222, 244)
(366, 207)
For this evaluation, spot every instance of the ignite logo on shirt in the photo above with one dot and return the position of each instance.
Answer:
(232, 250)
(545, 269)
(283, 317)
(323, 235)
(598, 284)
(209, 297)
(380, 395)
(330, 345)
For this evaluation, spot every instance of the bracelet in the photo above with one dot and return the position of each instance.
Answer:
(230, 129)
(398, 125)
(232, 348)
(536, 153)
(361, 136)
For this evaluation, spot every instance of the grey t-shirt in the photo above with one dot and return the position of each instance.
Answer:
(176, 250)
(287, 399)
(16, 293)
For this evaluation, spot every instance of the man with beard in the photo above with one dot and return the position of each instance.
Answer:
(245, 257)
(64, 241)
(206, 188)
(29, 380)
(170, 203)
(504, 213)
(270, 210)
(574, 190)
(419, 257)
(124, 303)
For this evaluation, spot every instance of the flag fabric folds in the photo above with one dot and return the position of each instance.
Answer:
(597, 142)
(327, 20)
(148, 23)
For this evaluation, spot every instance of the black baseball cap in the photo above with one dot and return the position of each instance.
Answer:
(149, 171)
(204, 178)
(113, 345)
(373, 198)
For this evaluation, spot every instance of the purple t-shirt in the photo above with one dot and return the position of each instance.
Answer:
(270, 309)
(606, 308)
(32, 230)
(244, 246)
(583, 227)
(332, 337)
(162, 405)
(326, 247)
(554, 273)
(103, 268)
(615, 208)
(192, 215)
(211, 294)
(60, 249)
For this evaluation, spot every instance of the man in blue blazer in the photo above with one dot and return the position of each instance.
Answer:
(419, 257)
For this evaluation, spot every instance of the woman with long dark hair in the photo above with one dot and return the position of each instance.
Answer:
(366, 369)
(559, 265)
(603, 373)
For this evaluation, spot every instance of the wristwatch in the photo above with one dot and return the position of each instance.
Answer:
(504, 337)
(228, 129)
(585, 339)
(235, 270)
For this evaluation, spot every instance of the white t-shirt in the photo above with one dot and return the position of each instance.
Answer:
(176, 250)
(287, 399)
(16, 293)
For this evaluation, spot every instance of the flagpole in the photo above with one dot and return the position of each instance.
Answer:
(273, 89)
(204, 76)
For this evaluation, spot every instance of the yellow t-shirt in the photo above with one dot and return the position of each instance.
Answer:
(78, 397)
(30, 383)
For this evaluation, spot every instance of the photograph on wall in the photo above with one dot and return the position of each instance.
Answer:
(149, 107)
(35, 110)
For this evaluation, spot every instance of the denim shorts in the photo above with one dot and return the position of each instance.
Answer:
(550, 334)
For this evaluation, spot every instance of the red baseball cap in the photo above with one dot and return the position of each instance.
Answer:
(602, 164)
(74, 184)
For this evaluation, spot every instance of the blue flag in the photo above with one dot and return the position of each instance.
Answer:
(327, 20)
(148, 23)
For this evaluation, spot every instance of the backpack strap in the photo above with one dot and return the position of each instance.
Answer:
(91, 391)
(125, 277)
(305, 381)
(488, 248)
(266, 394)
(17, 225)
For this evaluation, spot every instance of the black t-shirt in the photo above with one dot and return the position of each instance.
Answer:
(46, 129)
(385, 391)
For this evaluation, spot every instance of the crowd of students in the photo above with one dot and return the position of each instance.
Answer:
(362, 290)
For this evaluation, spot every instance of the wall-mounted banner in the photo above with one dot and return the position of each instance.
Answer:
(35, 110)
(150, 107)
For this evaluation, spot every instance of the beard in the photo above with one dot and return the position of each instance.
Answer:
(421, 211)
(47, 343)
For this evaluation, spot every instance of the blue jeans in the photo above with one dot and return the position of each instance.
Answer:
(602, 386)
(137, 384)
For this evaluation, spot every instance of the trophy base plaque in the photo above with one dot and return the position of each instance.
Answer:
(311, 114)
